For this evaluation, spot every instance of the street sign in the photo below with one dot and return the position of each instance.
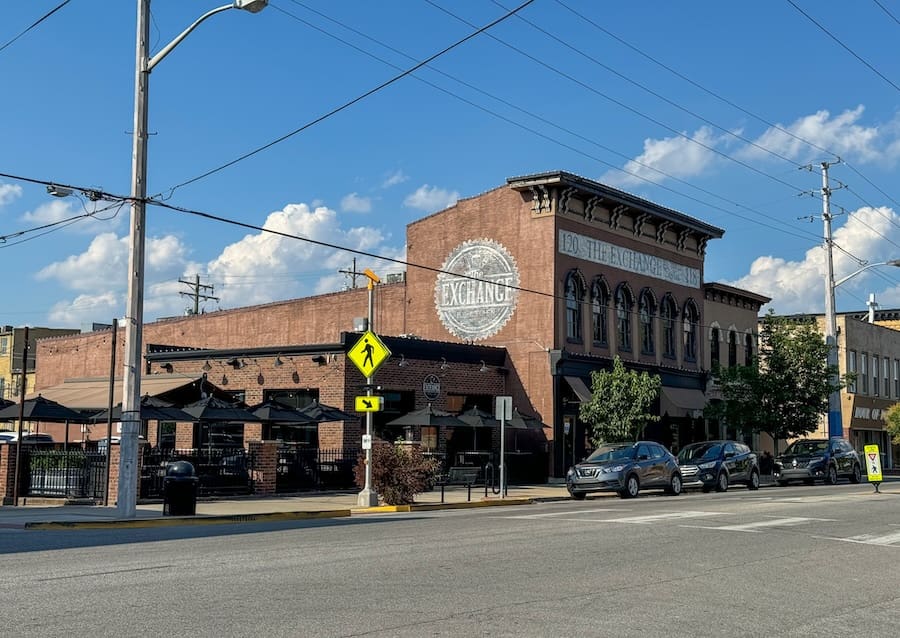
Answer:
(873, 463)
(366, 442)
(368, 353)
(503, 408)
(369, 404)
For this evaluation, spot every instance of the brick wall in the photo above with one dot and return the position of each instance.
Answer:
(265, 462)
(7, 471)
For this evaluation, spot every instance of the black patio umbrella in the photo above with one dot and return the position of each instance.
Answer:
(523, 421)
(151, 409)
(319, 412)
(41, 409)
(428, 416)
(275, 412)
(479, 418)
(213, 409)
(4, 403)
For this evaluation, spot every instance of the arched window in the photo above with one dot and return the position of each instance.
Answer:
(748, 349)
(714, 356)
(646, 312)
(574, 297)
(732, 349)
(691, 319)
(599, 308)
(624, 307)
(668, 313)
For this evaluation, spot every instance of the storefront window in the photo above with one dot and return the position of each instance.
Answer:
(732, 349)
(623, 317)
(574, 297)
(691, 318)
(647, 310)
(714, 348)
(599, 305)
(667, 313)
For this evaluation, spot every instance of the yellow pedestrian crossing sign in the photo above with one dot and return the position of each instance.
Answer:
(368, 353)
(369, 404)
(873, 463)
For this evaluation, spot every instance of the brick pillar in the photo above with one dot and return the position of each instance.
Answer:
(264, 456)
(252, 432)
(7, 472)
(184, 436)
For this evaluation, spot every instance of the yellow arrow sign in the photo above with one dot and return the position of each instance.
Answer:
(369, 404)
(368, 353)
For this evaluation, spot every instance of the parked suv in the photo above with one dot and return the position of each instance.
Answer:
(625, 468)
(811, 459)
(718, 464)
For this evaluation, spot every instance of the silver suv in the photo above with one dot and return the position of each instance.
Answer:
(626, 468)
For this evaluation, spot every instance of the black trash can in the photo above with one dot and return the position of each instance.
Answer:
(180, 490)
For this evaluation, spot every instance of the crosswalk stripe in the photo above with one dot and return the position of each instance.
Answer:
(872, 539)
(758, 525)
(567, 513)
(653, 518)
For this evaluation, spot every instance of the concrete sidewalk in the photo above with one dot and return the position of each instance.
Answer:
(41, 515)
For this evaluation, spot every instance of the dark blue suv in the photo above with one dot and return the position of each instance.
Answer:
(718, 464)
(811, 459)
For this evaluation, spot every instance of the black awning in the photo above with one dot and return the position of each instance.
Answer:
(580, 388)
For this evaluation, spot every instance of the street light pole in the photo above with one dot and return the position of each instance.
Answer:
(134, 320)
(368, 497)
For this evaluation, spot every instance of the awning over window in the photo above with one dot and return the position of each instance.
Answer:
(681, 401)
(580, 388)
(93, 393)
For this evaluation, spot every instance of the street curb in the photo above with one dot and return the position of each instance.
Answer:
(187, 521)
(427, 507)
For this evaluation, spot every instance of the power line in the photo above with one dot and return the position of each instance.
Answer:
(621, 104)
(845, 47)
(553, 140)
(356, 99)
(35, 23)
(885, 9)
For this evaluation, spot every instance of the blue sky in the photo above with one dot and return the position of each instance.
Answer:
(586, 92)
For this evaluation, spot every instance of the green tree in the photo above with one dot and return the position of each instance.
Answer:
(785, 391)
(620, 399)
(893, 423)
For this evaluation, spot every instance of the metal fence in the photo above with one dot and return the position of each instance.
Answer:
(63, 473)
(314, 468)
(222, 471)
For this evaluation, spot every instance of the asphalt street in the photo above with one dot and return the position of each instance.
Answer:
(795, 561)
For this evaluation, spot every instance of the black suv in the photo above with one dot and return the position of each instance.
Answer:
(811, 459)
(718, 464)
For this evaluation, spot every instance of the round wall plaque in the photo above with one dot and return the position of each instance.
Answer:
(431, 387)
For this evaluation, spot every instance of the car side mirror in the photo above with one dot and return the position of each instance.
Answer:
(643, 457)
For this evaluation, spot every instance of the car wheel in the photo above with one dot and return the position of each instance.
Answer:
(722, 482)
(632, 487)
(753, 483)
(578, 496)
(856, 475)
(674, 484)
(831, 475)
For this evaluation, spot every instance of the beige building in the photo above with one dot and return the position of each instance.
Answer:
(12, 346)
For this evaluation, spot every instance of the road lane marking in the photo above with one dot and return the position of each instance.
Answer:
(872, 539)
(655, 518)
(758, 526)
(567, 513)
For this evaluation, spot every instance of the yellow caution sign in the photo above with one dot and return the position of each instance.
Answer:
(368, 353)
(369, 404)
(873, 463)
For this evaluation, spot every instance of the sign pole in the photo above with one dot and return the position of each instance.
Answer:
(502, 412)
(369, 497)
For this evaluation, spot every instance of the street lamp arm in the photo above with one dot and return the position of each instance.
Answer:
(892, 262)
(166, 50)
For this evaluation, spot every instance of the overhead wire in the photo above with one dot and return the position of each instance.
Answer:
(359, 98)
(623, 105)
(844, 46)
(885, 9)
(35, 24)
(554, 140)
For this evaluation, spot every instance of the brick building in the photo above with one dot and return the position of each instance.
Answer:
(522, 290)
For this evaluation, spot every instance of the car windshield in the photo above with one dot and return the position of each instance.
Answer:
(807, 447)
(699, 452)
(611, 453)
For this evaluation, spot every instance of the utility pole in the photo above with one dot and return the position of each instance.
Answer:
(197, 287)
(835, 423)
(352, 272)
(22, 391)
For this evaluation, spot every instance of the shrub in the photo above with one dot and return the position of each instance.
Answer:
(399, 472)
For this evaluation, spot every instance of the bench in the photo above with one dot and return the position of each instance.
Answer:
(467, 476)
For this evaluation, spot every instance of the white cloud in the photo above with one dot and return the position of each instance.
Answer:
(397, 177)
(431, 198)
(9, 192)
(799, 286)
(99, 307)
(677, 156)
(58, 210)
(841, 134)
(353, 203)
(264, 267)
